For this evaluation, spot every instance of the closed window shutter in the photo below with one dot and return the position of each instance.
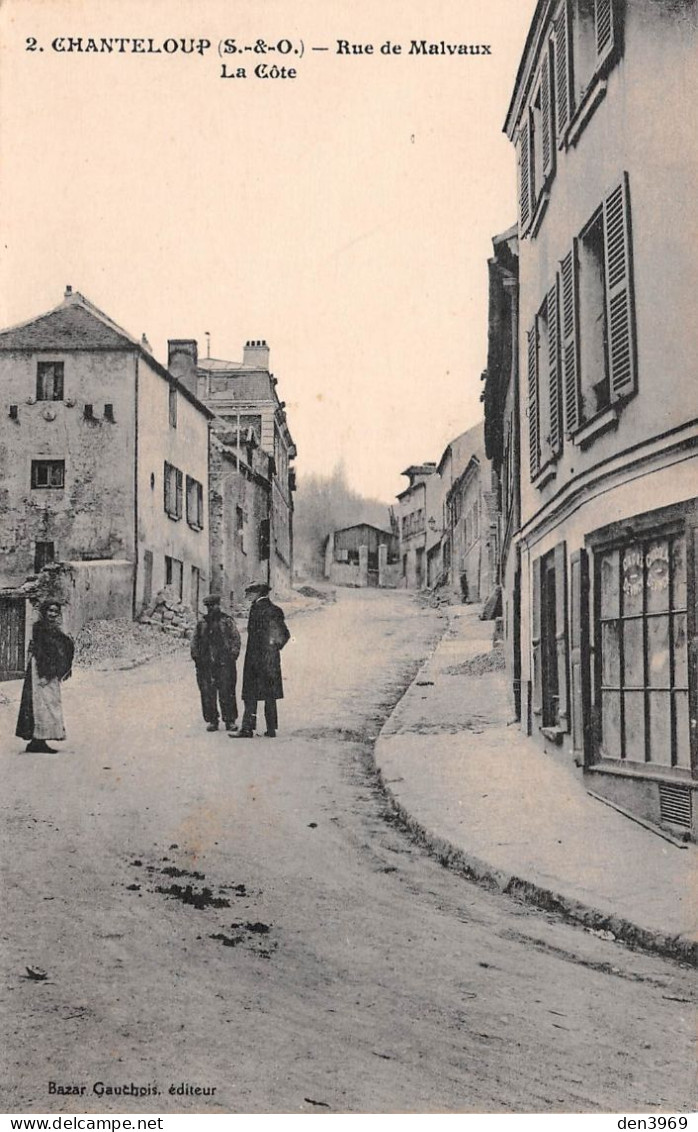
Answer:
(554, 390)
(563, 77)
(166, 486)
(604, 19)
(561, 638)
(525, 177)
(537, 652)
(547, 116)
(533, 422)
(619, 299)
(178, 503)
(579, 654)
(570, 352)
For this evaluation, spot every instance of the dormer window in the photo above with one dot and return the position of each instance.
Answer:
(49, 381)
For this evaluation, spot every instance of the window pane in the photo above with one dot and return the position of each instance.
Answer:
(610, 658)
(633, 660)
(658, 661)
(634, 704)
(680, 651)
(678, 570)
(660, 728)
(610, 724)
(683, 746)
(632, 579)
(657, 563)
(609, 584)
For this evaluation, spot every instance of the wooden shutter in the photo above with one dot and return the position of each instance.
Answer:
(554, 390)
(533, 421)
(563, 73)
(536, 648)
(604, 20)
(579, 655)
(619, 298)
(561, 634)
(178, 499)
(525, 175)
(547, 116)
(570, 348)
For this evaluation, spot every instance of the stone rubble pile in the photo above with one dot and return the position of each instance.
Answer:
(169, 613)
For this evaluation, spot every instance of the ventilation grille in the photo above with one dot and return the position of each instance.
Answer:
(675, 805)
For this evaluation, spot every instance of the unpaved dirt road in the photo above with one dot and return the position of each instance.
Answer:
(318, 961)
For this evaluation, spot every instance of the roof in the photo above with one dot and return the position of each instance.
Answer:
(462, 447)
(357, 526)
(77, 324)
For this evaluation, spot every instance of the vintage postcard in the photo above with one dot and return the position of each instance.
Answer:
(348, 551)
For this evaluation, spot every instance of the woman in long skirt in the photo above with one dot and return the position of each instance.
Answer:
(50, 662)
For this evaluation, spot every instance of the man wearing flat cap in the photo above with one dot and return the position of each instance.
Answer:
(215, 648)
(261, 679)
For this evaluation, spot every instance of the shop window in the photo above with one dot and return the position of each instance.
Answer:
(49, 381)
(642, 669)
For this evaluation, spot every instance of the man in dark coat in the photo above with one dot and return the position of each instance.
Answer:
(261, 679)
(215, 647)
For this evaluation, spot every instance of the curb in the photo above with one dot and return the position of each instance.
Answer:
(487, 876)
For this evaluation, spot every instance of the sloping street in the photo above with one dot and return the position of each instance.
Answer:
(245, 917)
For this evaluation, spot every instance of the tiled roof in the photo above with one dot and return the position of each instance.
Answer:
(74, 325)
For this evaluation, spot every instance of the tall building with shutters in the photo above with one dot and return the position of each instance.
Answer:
(607, 547)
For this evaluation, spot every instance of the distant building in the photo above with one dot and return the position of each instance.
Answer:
(412, 520)
(243, 395)
(103, 456)
(362, 555)
(608, 399)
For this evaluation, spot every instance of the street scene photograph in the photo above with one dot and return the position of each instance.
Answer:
(348, 559)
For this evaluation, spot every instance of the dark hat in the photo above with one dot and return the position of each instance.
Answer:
(212, 599)
(260, 588)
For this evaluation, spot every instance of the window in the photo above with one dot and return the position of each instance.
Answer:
(173, 406)
(195, 504)
(109, 413)
(544, 386)
(195, 588)
(44, 552)
(173, 491)
(642, 665)
(174, 574)
(536, 146)
(88, 413)
(49, 381)
(597, 313)
(549, 641)
(264, 539)
(48, 473)
(587, 34)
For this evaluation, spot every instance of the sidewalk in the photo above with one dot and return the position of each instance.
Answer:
(491, 804)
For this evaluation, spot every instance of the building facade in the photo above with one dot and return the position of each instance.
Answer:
(608, 397)
(362, 555)
(103, 455)
(243, 395)
(412, 526)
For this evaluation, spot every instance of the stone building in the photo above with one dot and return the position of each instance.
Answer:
(412, 525)
(502, 439)
(103, 456)
(608, 398)
(243, 395)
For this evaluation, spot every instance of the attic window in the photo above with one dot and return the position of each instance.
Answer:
(109, 413)
(88, 412)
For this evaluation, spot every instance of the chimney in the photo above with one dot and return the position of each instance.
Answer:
(256, 355)
(68, 291)
(182, 360)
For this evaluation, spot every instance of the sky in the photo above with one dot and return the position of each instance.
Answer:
(344, 215)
